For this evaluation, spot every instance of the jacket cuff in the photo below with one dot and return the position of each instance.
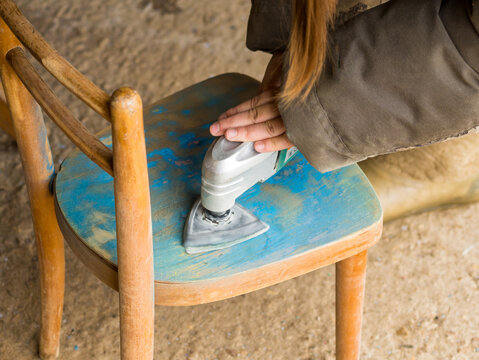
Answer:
(309, 129)
(269, 25)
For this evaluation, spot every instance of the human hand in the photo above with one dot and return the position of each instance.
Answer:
(257, 119)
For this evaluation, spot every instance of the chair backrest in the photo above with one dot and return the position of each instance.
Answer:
(25, 91)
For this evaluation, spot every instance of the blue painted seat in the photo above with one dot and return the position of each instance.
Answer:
(315, 219)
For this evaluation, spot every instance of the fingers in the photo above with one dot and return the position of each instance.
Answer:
(263, 98)
(260, 131)
(258, 114)
(258, 120)
(273, 144)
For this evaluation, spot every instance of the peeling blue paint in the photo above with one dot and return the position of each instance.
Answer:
(158, 110)
(188, 140)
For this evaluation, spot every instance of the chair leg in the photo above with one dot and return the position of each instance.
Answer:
(52, 275)
(133, 227)
(39, 171)
(38, 166)
(350, 281)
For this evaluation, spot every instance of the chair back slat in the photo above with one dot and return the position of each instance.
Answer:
(60, 68)
(58, 112)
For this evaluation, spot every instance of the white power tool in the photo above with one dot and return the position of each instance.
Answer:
(229, 169)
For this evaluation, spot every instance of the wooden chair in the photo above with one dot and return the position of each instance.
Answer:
(111, 196)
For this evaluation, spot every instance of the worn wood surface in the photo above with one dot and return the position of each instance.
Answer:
(201, 292)
(32, 141)
(61, 69)
(307, 211)
(133, 227)
(59, 113)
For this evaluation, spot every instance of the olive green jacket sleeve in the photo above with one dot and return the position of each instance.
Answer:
(401, 75)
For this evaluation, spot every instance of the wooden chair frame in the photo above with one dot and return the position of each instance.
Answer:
(25, 93)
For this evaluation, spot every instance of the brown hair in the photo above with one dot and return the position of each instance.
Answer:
(307, 46)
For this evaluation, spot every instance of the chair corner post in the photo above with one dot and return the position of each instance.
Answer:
(37, 161)
(133, 226)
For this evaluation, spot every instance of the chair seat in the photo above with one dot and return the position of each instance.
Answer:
(315, 219)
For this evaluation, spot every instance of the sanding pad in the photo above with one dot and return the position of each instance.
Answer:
(201, 234)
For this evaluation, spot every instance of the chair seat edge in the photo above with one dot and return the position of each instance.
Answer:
(206, 291)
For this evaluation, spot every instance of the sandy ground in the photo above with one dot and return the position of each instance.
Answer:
(422, 296)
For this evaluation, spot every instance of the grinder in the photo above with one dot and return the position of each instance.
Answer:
(229, 169)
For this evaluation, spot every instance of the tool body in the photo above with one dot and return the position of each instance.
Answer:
(229, 169)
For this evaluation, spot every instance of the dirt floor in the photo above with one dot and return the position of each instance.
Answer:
(422, 297)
